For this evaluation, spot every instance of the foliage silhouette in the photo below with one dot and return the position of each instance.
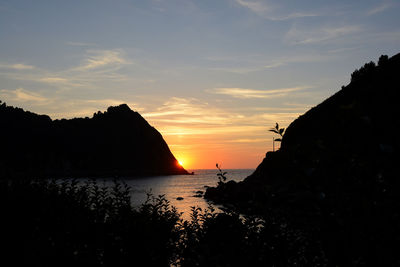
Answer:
(279, 131)
(221, 175)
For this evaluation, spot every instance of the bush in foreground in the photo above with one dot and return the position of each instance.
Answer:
(71, 224)
(51, 224)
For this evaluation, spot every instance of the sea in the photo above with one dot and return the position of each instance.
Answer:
(181, 190)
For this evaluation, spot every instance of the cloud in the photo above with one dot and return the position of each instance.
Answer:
(317, 35)
(253, 93)
(272, 65)
(245, 70)
(261, 8)
(18, 66)
(223, 131)
(255, 6)
(255, 64)
(178, 110)
(96, 67)
(53, 80)
(378, 9)
(97, 59)
(252, 140)
(21, 95)
(295, 15)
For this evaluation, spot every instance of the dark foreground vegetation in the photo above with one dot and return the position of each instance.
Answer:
(336, 175)
(50, 224)
(65, 224)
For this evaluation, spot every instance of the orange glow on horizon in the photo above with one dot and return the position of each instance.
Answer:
(229, 156)
(200, 135)
(231, 151)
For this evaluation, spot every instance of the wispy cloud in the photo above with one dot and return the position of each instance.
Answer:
(252, 140)
(295, 15)
(272, 65)
(96, 66)
(55, 80)
(267, 11)
(255, 64)
(20, 95)
(255, 6)
(178, 110)
(321, 34)
(17, 66)
(245, 70)
(97, 59)
(380, 8)
(253, 93)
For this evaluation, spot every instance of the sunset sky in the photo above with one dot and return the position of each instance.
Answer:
(211, 76)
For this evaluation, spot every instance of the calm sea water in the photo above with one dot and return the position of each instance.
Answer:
(184, 186)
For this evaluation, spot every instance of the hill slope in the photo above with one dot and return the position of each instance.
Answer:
(118, 142)
(337, 172)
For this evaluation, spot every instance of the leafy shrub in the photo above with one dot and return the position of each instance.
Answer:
(66, 224)
(231, 239)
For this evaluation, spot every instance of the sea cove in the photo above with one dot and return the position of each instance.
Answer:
(175, 186)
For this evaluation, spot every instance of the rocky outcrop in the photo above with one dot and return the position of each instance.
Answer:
(117, 142)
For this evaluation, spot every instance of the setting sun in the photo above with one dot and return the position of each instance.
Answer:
(183, 159)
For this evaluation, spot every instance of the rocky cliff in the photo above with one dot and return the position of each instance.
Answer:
(117, 142)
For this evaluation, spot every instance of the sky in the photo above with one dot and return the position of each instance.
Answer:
(212, 76)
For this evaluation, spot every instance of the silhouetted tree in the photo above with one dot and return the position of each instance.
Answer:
(365, 70)
(383, 60)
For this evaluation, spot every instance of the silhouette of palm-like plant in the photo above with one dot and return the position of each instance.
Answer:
(279, 131)
(221, 175)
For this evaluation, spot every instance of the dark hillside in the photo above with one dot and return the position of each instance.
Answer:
(336, 175)
(118, 142)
